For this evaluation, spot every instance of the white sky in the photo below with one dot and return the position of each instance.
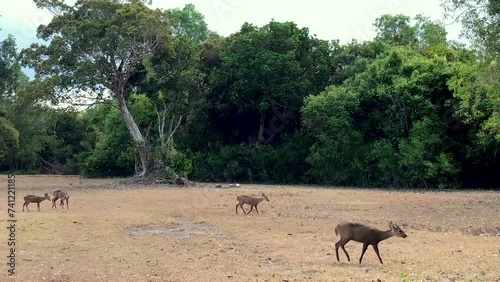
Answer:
(328, 19)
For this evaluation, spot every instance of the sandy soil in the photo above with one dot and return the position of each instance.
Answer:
(116, 232)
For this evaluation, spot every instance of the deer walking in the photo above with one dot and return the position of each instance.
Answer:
(60, 194)
(34, 199)
(253, 202)
(364, 234)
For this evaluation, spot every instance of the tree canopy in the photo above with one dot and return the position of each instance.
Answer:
(162, 97)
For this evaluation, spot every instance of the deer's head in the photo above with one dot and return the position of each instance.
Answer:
(397, 231)
(265, 197)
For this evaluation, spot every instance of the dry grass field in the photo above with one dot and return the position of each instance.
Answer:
(117, 232)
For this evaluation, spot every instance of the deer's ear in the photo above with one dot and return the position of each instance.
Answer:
(391, 225)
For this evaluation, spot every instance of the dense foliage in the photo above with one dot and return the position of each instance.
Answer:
(166, 96)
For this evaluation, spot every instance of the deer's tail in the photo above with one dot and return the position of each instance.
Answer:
(336, 231)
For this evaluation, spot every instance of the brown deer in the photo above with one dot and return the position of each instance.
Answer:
(253, 202)
(60, 194)
(364, 234)
(34, 199)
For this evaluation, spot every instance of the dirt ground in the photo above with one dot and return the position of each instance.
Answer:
(116, 232)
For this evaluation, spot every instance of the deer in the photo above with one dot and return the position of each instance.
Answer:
(60, 194)
(253, 202)
(364, 234)
(34, 199)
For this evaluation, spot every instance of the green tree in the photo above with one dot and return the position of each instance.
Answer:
(113, 152)
(430, 33)
(267, 70)
(421, 164)
(190, 22)
(404, 97)
(383, 125)
(198, 133)
(175, 82)
(335, 157)
(417, 32)
(67, 143)
(11, 77)
(95, 46)
(353, 58)
(478, 86)
(9, 136)
(395, 29)
(480, 20)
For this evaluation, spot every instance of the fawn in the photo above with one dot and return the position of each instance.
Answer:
(34, 199)
(253, 202)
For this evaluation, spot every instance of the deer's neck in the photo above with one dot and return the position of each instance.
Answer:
(260, 200)
(385, 235)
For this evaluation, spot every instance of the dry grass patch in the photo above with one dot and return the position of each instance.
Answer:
(131, 233)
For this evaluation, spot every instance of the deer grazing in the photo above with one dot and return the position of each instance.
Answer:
(34, 199)
(60, 194)
(253, 202)
(364, 234)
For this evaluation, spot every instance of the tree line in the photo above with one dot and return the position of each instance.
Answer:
(121, 89)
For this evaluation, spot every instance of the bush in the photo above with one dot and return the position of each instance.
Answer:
(254, 162)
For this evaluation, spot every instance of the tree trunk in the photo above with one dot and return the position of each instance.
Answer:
(261, 127)
(136, 134)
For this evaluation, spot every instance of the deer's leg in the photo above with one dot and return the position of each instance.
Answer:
(345, 252)
(241, 206)
(251, 208)
(365, 246)
(38, 205)
(256, 210)
(375, 248)
(54, 203)
(67, 203)
(243, 209)
(337, 246)
(24, 205)
(27, 203)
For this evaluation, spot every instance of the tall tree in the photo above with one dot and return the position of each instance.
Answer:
(481, 25)
(269, 70)
(395, 29)
(480, 20)
(335, 157)
(174, 82)
(10, 70)
(190, 22)
(11, 77)
(9, 136)
(382, 127)
(95, 46)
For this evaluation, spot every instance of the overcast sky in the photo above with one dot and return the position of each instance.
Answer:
(328, 19)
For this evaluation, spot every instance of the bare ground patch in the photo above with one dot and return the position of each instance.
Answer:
(182, 229)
